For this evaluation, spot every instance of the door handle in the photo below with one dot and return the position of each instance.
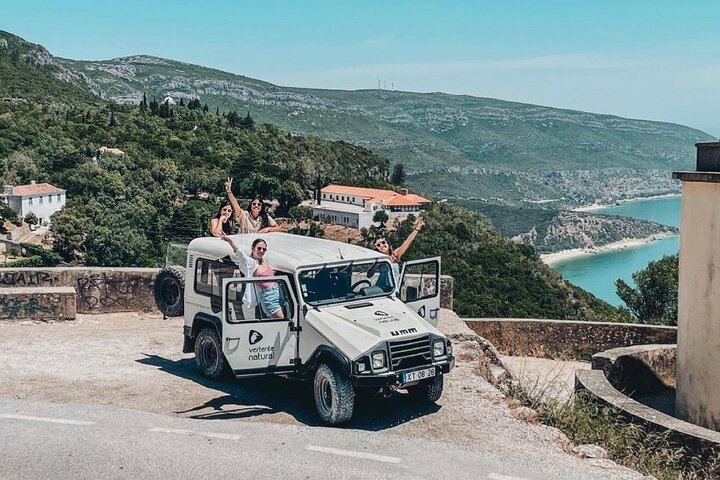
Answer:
(227, 339)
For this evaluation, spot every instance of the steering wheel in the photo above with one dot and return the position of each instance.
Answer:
(358, 283)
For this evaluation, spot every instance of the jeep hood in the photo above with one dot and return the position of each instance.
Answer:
(355, 329)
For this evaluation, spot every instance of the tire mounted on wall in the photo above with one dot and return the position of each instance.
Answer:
(169, 291)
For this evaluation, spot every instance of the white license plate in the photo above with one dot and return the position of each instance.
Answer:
(418, 375)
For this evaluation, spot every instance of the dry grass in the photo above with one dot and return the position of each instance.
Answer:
(631, 445)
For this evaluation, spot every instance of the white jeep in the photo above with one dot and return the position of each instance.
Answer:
(347, 326)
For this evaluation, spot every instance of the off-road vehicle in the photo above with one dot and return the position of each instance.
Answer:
(347, 326)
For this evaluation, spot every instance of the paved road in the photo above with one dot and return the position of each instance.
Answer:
(68, 441)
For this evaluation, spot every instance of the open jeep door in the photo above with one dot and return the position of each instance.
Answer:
(420, 287)
(254, 343)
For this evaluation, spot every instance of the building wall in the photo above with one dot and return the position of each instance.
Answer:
(698, 353)
(344, 198)
(42, 205)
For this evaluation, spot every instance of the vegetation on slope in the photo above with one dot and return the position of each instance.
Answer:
(122, 210)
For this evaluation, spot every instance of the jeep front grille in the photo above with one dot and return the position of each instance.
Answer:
(413, 352)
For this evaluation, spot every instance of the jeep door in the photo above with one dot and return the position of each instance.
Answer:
(420, 287)
(254, 342)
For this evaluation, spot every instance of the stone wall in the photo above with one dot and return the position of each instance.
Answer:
(28, 303)
(638, 370)
(566, 339)
(99, 289)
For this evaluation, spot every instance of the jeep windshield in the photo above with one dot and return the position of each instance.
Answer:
(346, 282)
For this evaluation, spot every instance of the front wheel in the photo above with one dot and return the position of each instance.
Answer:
(334, 395)
(427, 391)
(209, 358)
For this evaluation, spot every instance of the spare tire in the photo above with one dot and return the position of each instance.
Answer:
(169, 291)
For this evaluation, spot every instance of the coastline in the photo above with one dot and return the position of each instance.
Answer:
(563, 255)
(600, 206)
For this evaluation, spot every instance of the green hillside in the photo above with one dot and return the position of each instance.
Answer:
(434, 134)
(122, 210)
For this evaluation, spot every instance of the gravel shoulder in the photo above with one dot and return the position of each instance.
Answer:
(134, 360)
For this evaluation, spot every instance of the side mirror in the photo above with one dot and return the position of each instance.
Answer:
(304, 310)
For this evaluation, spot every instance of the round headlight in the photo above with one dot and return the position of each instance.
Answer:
(378, 360)
(438, 348)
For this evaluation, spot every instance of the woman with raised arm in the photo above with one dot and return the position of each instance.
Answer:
(253, 220)
(254, 265)
(383, 246)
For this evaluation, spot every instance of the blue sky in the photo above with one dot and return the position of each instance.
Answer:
(655, 60)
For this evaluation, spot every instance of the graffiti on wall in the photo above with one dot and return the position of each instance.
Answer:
(98, 291)
(23, 307)
(11, 278)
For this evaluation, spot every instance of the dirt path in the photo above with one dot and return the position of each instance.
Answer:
(135, 361)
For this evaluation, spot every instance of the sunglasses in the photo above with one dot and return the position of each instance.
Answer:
(256, 204)
(261, 249)
(380, 242)
(227, 210)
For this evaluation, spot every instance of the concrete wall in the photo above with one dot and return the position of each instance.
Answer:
(638, 370)
(698, 375)
(28, 303)
(99, 289)
(565, 339)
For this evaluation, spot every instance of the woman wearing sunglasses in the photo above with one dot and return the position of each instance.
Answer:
(268, 293)
(224, 222)
(253, 220)
(383, 246)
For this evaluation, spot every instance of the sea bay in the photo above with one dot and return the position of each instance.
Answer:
(597, 272)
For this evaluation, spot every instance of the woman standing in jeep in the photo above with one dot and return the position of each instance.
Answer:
(253, 220)
(383, 246)
(254, 265)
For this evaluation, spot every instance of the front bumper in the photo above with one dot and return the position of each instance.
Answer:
(393, 378)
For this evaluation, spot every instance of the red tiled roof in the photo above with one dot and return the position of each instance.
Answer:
(374, 195)
(35, 189)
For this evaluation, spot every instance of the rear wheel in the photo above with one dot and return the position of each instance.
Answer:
(209, 358)
(427, 391)
(169, 291)
(334, 395)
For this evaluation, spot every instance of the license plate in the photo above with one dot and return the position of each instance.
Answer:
(418, 375)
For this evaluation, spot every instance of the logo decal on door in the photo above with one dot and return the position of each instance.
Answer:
(254, 337)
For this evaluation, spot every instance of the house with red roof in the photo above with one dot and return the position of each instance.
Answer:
(42, 199)
(356, 206)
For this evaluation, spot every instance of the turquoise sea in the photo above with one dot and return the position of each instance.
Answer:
(597, 273)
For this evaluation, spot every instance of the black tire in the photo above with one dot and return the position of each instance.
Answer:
(209, 358)
(334, 395)
(169, 291)
(427, 391)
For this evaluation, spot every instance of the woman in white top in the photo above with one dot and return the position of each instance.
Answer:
(383, 246)
(253, 220)
(254, 265)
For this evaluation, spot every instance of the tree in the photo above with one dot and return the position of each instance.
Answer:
(31, 219)
(205, 108)
(182, 102)
(112, 122)
(381, 217)
(289, 195)
(654, 298)
(190, 221)
(248, 121)
(300, 213)
(217, 111)
(398, 175)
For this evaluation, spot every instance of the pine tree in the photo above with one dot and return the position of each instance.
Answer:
(248, 121)
(205, 108)
(112, 122)
(398, 175)
(182, 102)
(217, 111)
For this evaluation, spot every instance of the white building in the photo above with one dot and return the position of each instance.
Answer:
(356, 206)
(42, 199)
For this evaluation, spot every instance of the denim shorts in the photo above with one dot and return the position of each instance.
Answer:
(269, 299)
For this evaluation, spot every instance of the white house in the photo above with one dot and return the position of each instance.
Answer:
(42, 199)
(356, 206)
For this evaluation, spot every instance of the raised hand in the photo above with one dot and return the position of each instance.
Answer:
(419, 223)
(228, 185)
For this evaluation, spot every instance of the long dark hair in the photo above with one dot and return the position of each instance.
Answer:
(228, 227)
(391, 250)
(263, 215)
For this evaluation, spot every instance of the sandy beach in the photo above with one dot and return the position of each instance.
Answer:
(557, 257)
(599, 206)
